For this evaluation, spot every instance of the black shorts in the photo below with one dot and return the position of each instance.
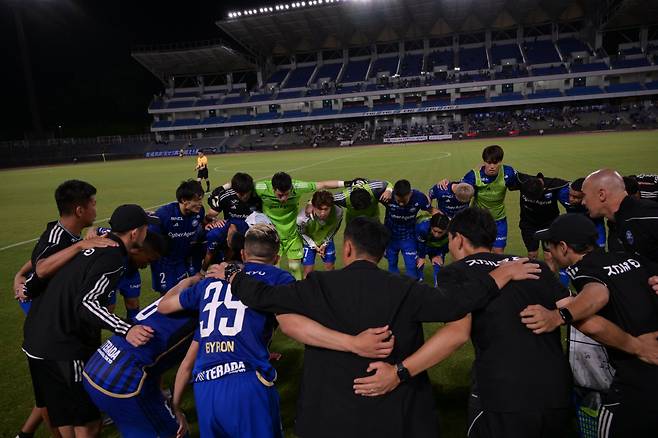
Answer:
(528, 235)
(58, 387)
(622, 416)
(202, 173)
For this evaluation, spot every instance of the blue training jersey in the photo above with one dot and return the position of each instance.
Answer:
(119, 369)
(446, 201)
(180, 231)
(401, 220)
(511, 180)
(425, 239)
(232, 337)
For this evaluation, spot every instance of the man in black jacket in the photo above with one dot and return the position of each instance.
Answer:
(63, 327)
(357, 297)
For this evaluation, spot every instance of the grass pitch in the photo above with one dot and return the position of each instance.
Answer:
(27, 196)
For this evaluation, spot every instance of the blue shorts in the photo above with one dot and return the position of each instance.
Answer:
(129, 286)
(166, 274)
(329, 254)
(409, 255)
(147, 414)
(501, 235)
(25, 306)
(237, 405)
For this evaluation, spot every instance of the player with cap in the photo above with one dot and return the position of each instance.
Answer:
(63, 327)
(615, 306)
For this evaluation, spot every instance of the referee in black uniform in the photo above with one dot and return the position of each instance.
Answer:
(614, 287)
(63, 326)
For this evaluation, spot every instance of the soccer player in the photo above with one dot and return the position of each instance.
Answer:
(281, 196)
(571, 198)
(58, 244)
(491, 182)
(538, 200)
(361, 197)
(614, 287)
(454, 198)
(181, 223)
(318, 223)
(400, 219)
(202, 169)
(647, 185)
(130, 283)
(233, 377)
(63, 327)
(521, 383)
(123, 380)
(432, 242)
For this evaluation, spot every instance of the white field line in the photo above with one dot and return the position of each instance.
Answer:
(446, 155)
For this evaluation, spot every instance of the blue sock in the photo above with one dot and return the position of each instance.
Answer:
(437, 268)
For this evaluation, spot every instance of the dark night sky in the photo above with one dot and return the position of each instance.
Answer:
(85, 78)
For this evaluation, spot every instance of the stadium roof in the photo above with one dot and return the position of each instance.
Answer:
(284, 28)
(198, 58)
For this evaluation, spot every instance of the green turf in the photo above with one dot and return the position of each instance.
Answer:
(27, 196)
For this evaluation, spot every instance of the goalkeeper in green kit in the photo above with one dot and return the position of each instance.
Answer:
(281, 198)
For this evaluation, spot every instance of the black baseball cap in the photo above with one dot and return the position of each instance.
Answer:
(570, 228)
(130, 216)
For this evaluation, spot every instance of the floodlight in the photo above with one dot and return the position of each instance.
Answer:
(303, 3)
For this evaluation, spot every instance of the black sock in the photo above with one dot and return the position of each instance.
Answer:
(22, 434)
(207, 186)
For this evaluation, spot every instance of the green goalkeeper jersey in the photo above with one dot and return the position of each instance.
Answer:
(283, 215)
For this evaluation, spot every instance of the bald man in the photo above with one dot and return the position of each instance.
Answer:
(636, 220)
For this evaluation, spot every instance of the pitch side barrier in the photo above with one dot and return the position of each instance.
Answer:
(418, 138)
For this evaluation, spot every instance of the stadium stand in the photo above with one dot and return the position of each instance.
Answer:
(300, 76)
(505, 51)
(355, 71)
(328, 72)
(411, 65)
(388, 65)
(473, 59)
(440, 58)
(541, 52)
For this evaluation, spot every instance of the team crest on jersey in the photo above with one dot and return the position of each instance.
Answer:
(629, 237)
(88, 252)
(195, 222)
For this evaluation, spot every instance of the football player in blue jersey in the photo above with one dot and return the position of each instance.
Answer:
(124, 381)
(453, 199)
(232, 375)
(181, 223)
(400, 219)
(432, 242)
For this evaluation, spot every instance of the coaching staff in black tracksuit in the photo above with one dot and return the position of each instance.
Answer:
(63, 327)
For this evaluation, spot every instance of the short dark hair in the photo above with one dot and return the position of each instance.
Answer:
(577, 185)
(156, 243)
(632, 187)
(492, 154)
(475, 224)
(188, 190)
(402, 188)
(242, 183)
(440, 221)
(281, 181)
(533, 187)
(262, 240)
(322, 198)
(368, 236)
(71, 194)
(360, 198)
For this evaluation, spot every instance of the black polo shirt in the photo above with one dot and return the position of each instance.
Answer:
(633, 306)
(636, 225)
(514, 369)
(65, 321)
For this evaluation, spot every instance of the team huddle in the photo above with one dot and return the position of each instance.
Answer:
(223, 295)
